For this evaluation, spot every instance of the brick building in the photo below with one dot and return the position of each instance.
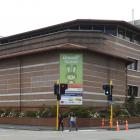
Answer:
(30, 62)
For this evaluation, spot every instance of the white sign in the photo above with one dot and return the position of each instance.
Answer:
(71, 100)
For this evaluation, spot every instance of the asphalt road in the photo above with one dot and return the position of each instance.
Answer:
(12, 134)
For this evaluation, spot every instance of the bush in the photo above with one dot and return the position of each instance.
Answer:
(44, 113)
(1, 111)
(47, 112)
(65, 114)
(130, 105)
(124, 114)
(7, 112)
(138, 108)
(30, 114)
(104, 114)
(81, 112)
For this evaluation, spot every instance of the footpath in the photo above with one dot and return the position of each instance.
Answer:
(46, 128)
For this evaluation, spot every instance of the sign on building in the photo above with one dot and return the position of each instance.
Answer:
(71, 72)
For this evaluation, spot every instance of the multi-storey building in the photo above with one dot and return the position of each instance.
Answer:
(31, 62)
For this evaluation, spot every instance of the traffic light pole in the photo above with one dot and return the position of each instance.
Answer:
(59, 89)
(57, 114)
(57, 108)
(111, 107)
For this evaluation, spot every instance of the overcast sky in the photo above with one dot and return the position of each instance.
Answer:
(17, 16)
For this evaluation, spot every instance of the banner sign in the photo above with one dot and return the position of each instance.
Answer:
(71, 72)
(71, 100)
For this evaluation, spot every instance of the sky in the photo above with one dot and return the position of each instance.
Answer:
(17, 16)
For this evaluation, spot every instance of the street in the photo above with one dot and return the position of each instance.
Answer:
(12, 134)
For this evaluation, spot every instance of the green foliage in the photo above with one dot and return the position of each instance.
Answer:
(30, 114)
(65, 114)
(138, 108)
(17, 113)
(1, 111)
(124, 113)
(121, 113)
(7, 112)
(104, 113)
(116, 111)
(47, 112)
(131, 106)
(81, 112)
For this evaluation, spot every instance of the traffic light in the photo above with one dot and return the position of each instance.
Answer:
(59, 89)
(56, 89)
(58, 97)
(109, 97)
(63, 87)
(108, 91)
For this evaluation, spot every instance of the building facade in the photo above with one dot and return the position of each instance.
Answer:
(30, 62)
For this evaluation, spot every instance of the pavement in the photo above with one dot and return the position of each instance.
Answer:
(48, 128)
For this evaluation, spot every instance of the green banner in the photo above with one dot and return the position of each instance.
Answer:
(71, 68)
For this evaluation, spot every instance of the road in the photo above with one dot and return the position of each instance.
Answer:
(12, 134)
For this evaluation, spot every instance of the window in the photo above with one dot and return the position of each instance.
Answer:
(136, 38)
(132, 90)
(129, 36)
(85, 27)
(110, 29)
(98, 28)
(76, 27)
(121, 33)
(133, 66)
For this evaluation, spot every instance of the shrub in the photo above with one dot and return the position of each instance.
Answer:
(21, 114)
(47, 112)
(30, 114)
(138, 108)
(104, 114)
(124, 114)
(7, 112)
(130, 105)
(1, 111)
(44, 113)
(81, 112)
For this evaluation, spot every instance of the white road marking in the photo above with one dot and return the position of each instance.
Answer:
(84, 130)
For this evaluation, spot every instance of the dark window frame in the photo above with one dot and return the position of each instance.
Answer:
(121, 32)
(132, 90)
(99, 27)
(111, 29)
(133, 66)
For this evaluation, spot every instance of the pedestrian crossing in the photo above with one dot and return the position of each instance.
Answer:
(82, 130)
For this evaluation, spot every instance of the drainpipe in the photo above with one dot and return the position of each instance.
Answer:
(20, 108)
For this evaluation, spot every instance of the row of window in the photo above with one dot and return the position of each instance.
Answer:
(118, 31)
(133, 90)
